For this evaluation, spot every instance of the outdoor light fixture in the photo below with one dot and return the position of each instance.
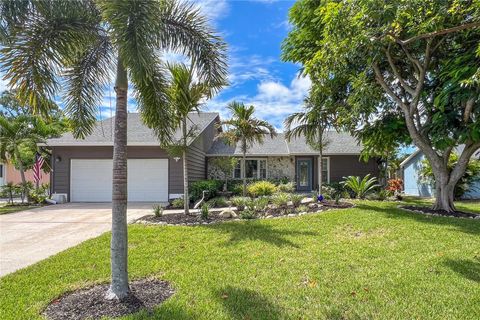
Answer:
(58, 159)
(176, 159)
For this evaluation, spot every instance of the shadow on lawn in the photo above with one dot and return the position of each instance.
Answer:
(465, 225)
(247, 304)
(256, 231)
(469, 269)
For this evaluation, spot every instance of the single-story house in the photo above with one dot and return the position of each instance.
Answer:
(415, 185)
(8, 173)
(82, 168)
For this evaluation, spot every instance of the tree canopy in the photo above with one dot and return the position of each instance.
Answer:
(409, 67)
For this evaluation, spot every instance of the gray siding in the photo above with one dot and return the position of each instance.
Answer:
(61, 169)
(196, 154)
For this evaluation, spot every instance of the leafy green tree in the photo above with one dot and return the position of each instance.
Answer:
(413, 61)
(82, 45)
(312, 124)
(245, 129)
(184, 96)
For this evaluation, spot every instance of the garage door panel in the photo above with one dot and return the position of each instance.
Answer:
(91, 180)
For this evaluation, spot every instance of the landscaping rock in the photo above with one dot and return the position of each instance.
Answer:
(477, 217)
(227, 213)
(291, 215)
(312, 206)
(306, 200)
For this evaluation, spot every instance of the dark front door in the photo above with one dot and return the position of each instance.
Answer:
(304, 175)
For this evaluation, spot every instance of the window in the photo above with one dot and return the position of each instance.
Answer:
(325, 169)
(1, 170)
(254, 169)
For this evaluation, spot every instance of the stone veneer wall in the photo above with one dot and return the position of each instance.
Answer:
(277, 168)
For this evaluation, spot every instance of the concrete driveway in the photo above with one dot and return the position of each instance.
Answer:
(29, 236)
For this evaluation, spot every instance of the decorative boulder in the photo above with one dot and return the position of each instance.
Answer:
(306, 200)
(312, 205)
(228, 213)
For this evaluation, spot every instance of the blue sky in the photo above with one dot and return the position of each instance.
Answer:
(254, 31)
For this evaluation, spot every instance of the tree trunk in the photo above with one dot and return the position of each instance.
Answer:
(186, 199)
(22, 173)
(320, 164)
(444, 197)
(244, 174)
(119, 288)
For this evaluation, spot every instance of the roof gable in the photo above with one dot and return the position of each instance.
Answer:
(137, 134)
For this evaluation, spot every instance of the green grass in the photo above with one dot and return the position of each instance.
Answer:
(4, 209)
(373, 261)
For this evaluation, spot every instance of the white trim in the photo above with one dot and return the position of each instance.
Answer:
(410, 157)
(258, 170)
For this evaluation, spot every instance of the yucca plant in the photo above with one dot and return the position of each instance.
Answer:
(361, 187)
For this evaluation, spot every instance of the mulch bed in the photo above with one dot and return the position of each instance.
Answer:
(181, 218)
(91, 303)
(430, 211)
(214, 217)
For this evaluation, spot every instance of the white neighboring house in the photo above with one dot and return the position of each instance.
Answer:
(414, 185)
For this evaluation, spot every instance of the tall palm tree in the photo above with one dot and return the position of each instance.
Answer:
(245, 129)
(312, 124)
(83, 44)
(185, 95)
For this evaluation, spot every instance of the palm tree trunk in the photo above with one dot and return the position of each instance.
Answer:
(244, 173)
(186, 198)
(320, 164)
(18, 159)
(119, 288)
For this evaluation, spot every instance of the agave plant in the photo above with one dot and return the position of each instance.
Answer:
(361, 187)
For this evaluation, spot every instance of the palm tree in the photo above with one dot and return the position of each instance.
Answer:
(312, 124)
(245, 129)
(84, 44)
(185, 95)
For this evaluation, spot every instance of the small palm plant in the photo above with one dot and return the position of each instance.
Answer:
(361, 187)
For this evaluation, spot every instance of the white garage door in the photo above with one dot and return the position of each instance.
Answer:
(91, 180)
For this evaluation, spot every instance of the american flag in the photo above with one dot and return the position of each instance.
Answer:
(37, 167)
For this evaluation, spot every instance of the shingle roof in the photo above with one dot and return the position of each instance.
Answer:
(337, 143)
(138, 133)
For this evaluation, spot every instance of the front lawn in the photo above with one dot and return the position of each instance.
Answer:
(373, 261)
(4, 209)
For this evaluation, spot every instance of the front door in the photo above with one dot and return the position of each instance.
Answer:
(304, 175)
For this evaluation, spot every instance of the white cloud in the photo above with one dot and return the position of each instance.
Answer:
(213, 9)
(273, 101)
(3, 84)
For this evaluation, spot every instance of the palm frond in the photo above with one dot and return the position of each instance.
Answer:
(45, 39)
(184, 29)
(86, 79)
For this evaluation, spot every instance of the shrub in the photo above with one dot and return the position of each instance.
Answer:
(381, 195)
(235, 187)
(177, 203)
(157, 210)
(204, 209)
(296, 199)
(210, 186)
(361, 187)
(301, 208)
(240, 202)
(218, 202)
(281, 199)
(286, 187)
(261, 188)
(247, 214)
(261, 203)
(39, 195)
